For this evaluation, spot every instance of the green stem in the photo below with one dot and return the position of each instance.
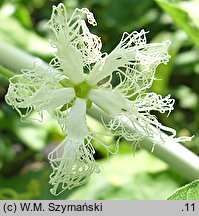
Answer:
(178, 157)
(16, 59)
(5, 72)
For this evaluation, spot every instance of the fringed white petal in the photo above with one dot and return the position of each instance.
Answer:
(143, 125)
(57, 98)
(147, 102)
(76, 46)
(37, 89)
(90, 47)
(136, 114)
(67, 58)
(76, 120)
(112, 102)
(134, 60)
(72, 161)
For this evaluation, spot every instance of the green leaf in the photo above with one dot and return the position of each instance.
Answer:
(23, 16)
(163, 72)
(31, 184)
(187, 98)
(187, 192)
(115, 17)
(185, 16)
(33, 136)
(22, 37)
(191, 7)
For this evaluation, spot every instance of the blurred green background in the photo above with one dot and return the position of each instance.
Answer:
(131, 174)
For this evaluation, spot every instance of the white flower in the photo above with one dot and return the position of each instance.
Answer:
(70, 90)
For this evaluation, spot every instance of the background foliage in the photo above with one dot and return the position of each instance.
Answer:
(24, 146)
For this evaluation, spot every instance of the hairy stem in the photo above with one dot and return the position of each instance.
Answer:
(178, 157)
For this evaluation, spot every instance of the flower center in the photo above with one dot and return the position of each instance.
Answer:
(82, 89)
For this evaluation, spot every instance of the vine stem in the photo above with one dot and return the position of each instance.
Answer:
(182, 160)
(15, 59)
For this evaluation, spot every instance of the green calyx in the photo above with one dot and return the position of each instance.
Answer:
(82, 89)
